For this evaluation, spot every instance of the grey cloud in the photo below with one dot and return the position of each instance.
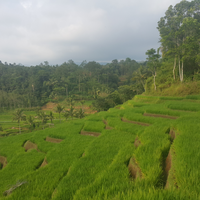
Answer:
(32, 31)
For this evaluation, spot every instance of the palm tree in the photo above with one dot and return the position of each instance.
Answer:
(71, 112)
(19, 116)
(70, 102)
(82, 103)
(80, 113)
(59, 109)
(51, 117)
(30, 121)
(42, 115)
(66, 115)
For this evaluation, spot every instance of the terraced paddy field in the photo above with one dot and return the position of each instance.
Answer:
(147, 148)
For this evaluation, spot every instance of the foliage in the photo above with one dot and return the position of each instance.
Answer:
(43, 117)
(59, 109)
(19, 116)
(97, 167)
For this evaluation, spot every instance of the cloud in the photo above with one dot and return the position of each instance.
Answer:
(36, 30)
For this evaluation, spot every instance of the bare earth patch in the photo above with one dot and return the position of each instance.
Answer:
(137, 142)
(135, 122)
(3, 161)
(172, 134)
(30, 145)
(90, 133)
(49, 106)
(156, 115)
(167, 168)
(44, 163)
(134, 169)
(106, 123)
(53, 140)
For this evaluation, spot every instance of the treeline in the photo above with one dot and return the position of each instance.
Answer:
(177, 61)
(22, 86)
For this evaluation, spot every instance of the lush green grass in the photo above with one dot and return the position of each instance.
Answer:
(87, 167)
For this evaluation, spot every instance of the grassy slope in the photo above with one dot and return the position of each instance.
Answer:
(86, 167)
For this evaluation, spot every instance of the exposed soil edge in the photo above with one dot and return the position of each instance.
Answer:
(135, 122)
(172, 134)
(106, 123)
(171, 180)
(44, 163)
(53, 140)
(168, 164)
(95, 134)
(168, 170)
(3, 161)
(135, 171)
(137, 142)
(162, 116)
(30, 145)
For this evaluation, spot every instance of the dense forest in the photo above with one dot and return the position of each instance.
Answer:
(175, 63)
(22, 86)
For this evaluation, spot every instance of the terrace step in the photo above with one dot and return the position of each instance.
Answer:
(95, 134)
(44, 163)
(158, 115)
(3, 161)
(135, 171)
(135, 122)
(53, 140)
(30, 145)
(107, 127)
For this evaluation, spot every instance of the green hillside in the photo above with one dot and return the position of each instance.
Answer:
(147, 148)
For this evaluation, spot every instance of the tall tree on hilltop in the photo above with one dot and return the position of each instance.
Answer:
(153, 63)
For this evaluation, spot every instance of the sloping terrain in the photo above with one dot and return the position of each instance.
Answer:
(150, 151)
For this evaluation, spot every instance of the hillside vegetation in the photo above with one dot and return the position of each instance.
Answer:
(146, 148)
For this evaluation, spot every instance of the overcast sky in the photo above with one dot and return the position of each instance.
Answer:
(33, 31)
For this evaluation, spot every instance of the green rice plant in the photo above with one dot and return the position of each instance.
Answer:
(98, 157)
(111, 180)
(185, 106)
(193, 97)
(187, 154)
(19, 166)
(149, 156)
(118, 124)
(43, 181)
(171, 98)
(94, 126)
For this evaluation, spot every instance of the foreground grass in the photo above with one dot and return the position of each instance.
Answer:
(87, 167)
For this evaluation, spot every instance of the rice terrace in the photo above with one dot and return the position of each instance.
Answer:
(150, 151)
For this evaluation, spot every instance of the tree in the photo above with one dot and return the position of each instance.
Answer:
(66, 115)
(82, 103)
(31, 122)
(43, 117)
(59, 109)
(19, 116)
(51, 117)
(71, 112)
(80, 114)
(140, 76)
(153, 63)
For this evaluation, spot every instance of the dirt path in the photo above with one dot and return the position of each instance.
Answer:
(44, 163)
(53, 140)
(135, 122)
(106, 123)
(134, 169)
(163, 116)
(30, 145)
(3, 161)
(90, 133)
(137, 142)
